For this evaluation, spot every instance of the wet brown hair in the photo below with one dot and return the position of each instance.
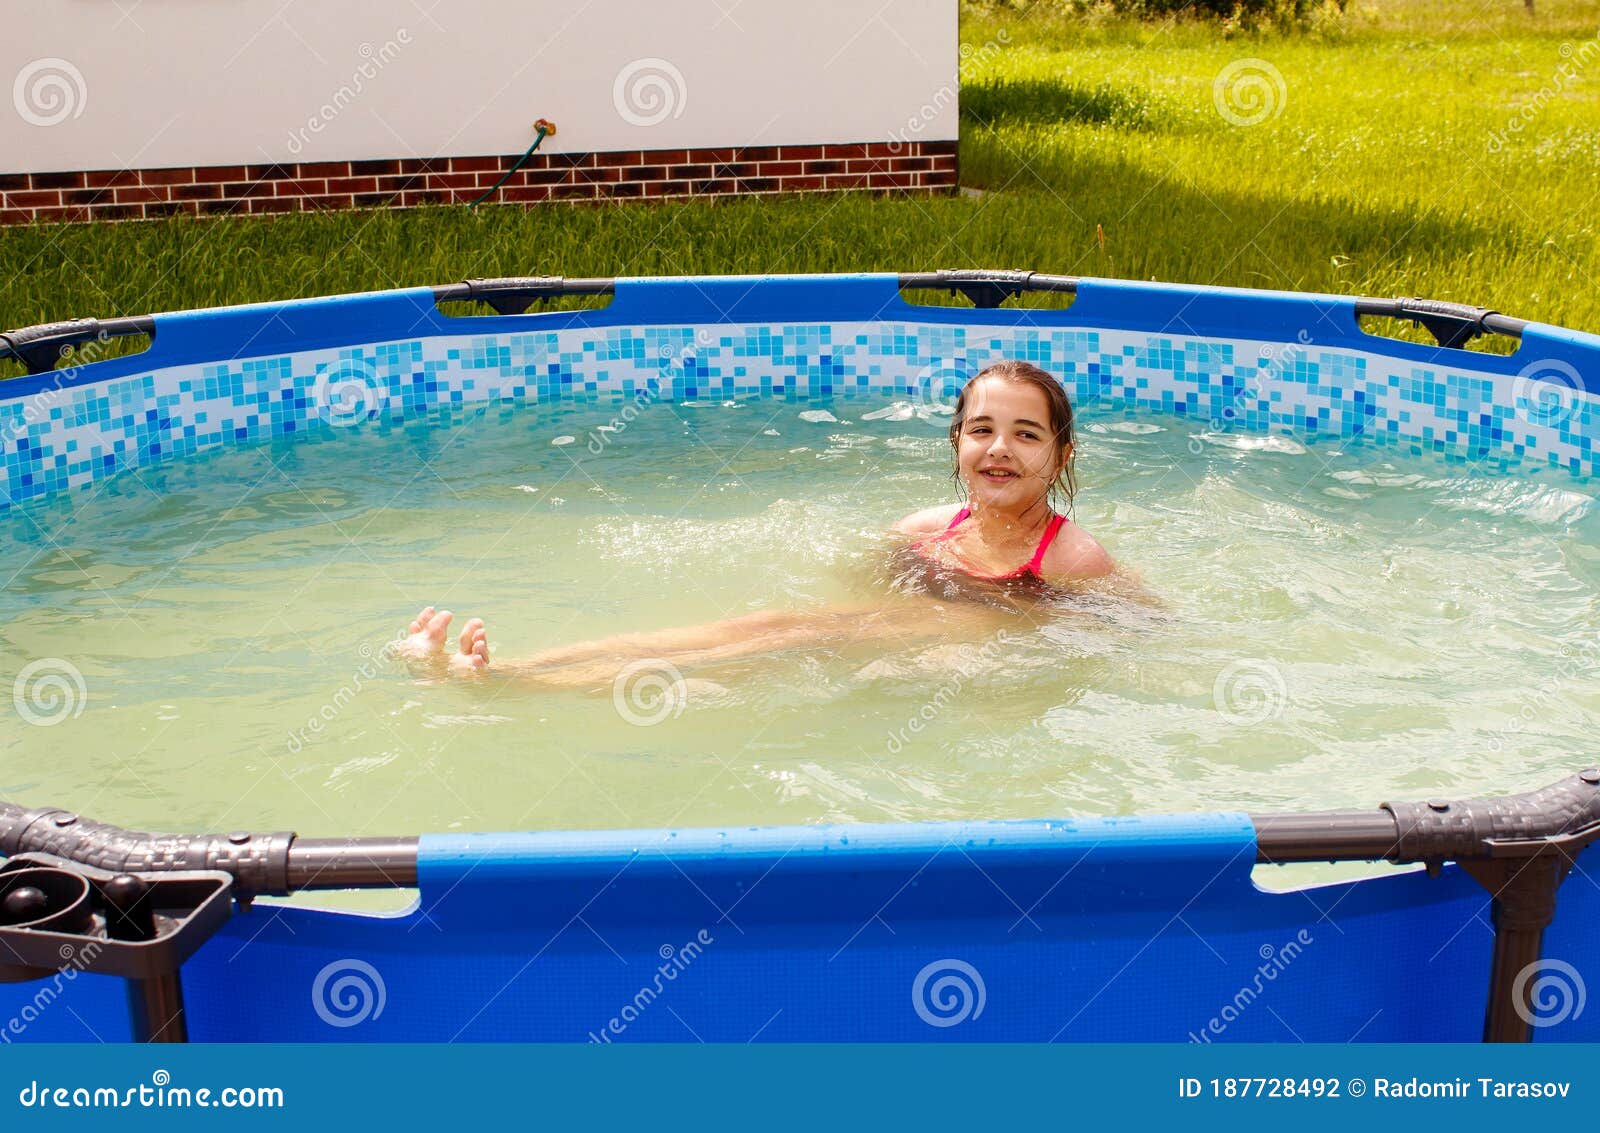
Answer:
(1064, 486)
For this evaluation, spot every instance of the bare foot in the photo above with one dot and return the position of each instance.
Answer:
(474, 649)
(426, 631)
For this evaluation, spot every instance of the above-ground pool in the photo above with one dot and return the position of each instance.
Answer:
(1375, 579)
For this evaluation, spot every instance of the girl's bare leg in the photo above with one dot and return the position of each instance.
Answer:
(768, 632)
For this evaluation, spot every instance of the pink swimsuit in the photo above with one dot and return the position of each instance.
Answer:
(1029, 569)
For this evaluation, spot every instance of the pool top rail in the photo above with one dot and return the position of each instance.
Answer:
(1563, 816)
(42, 347)
(1520, 848)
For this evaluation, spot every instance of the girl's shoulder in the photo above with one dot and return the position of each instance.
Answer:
(1074, 553)
(929, 520)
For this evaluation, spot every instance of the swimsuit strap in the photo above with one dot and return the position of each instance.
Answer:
(941, 536)
(1050, 532)
(1032, 566)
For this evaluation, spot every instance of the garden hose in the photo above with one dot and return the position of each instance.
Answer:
(545, 128)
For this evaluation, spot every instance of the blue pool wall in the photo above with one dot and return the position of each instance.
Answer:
(1253, 361)
(1124, 929)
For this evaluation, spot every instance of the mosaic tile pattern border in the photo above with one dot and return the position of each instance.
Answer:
(62, 439)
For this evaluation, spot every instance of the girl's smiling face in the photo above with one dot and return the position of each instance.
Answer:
(1006, 453)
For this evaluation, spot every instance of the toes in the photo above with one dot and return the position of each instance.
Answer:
(474, 655)
(473, 634)
(438, 623)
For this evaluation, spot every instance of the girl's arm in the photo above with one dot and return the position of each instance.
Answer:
(1076, 558)
(928, 521)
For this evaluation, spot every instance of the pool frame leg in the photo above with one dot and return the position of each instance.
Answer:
(1524, 892)
(155, 1009)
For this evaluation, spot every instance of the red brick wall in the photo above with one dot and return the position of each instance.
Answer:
(138, 194)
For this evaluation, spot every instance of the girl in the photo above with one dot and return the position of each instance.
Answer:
(966, 567)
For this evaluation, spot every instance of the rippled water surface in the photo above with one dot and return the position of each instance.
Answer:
(200, 645)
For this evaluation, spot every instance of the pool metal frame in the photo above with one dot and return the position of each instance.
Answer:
(42, 347)
(1520, 848)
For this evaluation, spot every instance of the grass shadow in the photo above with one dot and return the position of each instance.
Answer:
(1048, 101)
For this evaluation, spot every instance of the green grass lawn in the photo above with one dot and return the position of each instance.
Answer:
(1100, 149)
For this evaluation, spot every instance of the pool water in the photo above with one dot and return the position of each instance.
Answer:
(200, 645)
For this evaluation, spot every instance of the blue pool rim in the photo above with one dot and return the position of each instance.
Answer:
(1248, 360)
